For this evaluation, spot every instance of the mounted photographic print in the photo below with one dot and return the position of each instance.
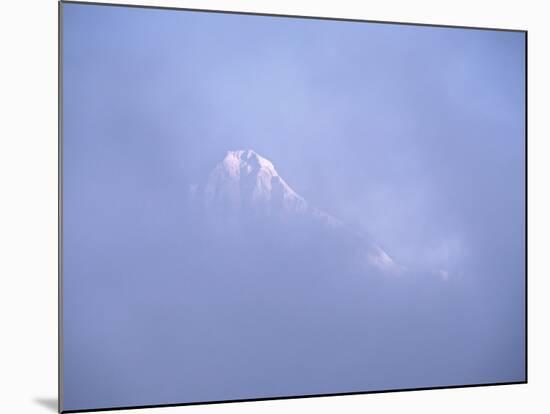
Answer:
(258, 206)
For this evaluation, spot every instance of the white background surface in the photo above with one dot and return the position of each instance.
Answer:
(28, 205)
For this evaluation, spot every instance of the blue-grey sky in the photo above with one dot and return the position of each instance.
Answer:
(415, 135)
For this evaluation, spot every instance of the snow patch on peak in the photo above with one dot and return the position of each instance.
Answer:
(378, 258)
(249, 161)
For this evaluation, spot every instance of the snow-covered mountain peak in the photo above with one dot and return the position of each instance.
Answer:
(245, 178)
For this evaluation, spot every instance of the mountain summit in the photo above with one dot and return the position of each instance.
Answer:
(246, 179)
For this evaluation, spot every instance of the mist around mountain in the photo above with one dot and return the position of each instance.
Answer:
(244, 289)
(269, 295)
(266, 295)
